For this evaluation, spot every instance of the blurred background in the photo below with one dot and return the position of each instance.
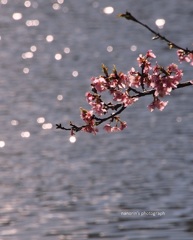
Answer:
(53, 189)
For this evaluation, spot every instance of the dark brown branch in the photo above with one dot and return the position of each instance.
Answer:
(101, 120)
(151, 92)
(171, 44)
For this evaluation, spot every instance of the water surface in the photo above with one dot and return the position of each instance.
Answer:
(53, 189)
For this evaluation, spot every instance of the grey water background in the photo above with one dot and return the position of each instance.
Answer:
(53, 189)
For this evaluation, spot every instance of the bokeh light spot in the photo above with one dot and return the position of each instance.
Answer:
(2, 144)
(27, 4)
(4, 2)
(46, 126)
(133, 48)
(32, 23)
(17, 16)
(27, 55)
(14, 122)
(60, 97)
(66, 50)
(109, 49)
(75, 73)
(33, 48)
(25, 134)
(72, 139)
(108, 10)
(40, 120)
(26, 70)
(160, 22)
(49, 38)
(56, 6)
(58, 56)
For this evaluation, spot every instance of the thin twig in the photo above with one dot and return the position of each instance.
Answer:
(171, 44)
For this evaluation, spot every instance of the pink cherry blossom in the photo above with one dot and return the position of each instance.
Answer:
(129, 100)
(89, 97)
(87, 116)
(108, 128)
(134, 78)
(144, 63)
(187, 57)
(99, 83)
(96, 103)
(163, 80)
(157, 104)
(150, 54)
(123, 97)
(90, 129)
(123, 125)
(112, 83)
(123, 80)
(118, 96)
(99, 108)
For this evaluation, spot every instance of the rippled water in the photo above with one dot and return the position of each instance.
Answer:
(100, 187)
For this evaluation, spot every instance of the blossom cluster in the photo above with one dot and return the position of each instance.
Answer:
(125, 90)
(183, 56)
(113, 92)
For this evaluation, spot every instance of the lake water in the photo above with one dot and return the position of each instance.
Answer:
(132, 185)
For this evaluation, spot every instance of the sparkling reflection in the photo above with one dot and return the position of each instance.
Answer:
(17, 16)
(60, 97)
(108, 10)
(40, 120)
(49, 38)
(60, 1)
(72, 139)
(4, 2)
(75, 73)
(58, 56)
(33, 48)
(32, 23)
(56, 6)
(25, 134)
(66, 50)
(27, 55)
(133, 48)
(46, 126)
(109, 49)
(26, 70)
(2, 144)
(160, 23)
(27, 4)
(14, 122)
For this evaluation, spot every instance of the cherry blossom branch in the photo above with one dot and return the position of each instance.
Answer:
(158, 80)
(98, 121)
(125, 89)
(157, 35)
(151, 92)
(101, 120)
